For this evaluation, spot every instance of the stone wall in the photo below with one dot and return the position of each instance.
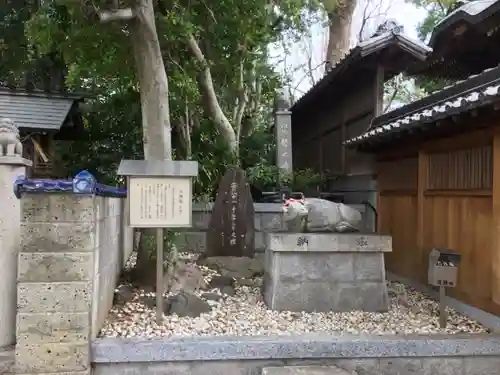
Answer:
(367, 355)
(268, 218)
(72, 250)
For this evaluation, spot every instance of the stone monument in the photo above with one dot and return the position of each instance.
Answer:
(283, 133)
(231, 229)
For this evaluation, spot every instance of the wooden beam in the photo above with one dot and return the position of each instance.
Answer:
(495, 230)
(39, 150)
(343, 166)
(423, 161)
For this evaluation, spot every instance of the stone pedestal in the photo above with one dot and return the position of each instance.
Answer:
(326, 272)
(11, 167)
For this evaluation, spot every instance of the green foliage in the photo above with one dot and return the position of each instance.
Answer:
(98, 57)
(14, 49)
(401, 90)
(113, 125)
(268, 178)
(436, 11)
(307, 180)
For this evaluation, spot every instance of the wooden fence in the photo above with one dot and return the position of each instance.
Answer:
(441, 196)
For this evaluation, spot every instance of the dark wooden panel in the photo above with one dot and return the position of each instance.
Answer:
(398, 175)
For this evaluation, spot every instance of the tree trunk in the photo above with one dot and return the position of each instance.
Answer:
(153, 83)
(339, 31)
(153, 86)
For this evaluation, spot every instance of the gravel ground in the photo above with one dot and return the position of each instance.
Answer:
(246, 314)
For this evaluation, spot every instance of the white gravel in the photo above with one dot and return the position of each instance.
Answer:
(246, 314)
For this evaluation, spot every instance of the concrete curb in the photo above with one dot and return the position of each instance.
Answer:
(111, 350)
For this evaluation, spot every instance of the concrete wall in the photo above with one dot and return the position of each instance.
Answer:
(357, 188)
(114, 248)
(368, 355)
(268, 218)
(72, 247)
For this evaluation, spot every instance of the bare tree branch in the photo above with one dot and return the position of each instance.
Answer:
(371, 12)
(241, 101)
(391, 99)
(210, 98)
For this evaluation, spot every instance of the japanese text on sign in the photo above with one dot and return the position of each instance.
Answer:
(234, 202)
(160, 202)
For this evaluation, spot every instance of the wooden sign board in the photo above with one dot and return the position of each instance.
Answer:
(160, 202)
(231, 230)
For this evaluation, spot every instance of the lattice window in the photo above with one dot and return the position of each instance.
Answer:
(466, 169)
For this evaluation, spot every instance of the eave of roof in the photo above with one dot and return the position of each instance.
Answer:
(44, 94)
(472, 13)
(416, 48)
(37, 110)
(454, 104)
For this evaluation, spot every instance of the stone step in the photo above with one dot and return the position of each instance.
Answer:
(306, 370)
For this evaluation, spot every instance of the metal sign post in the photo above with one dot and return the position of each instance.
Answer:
(443, 273)
(159, 196)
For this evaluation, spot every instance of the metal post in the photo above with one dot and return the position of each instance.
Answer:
(442, 307)
(159, 276)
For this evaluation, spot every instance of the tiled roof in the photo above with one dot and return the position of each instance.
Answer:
(479, 96)
(471, 12)
(36, 110)
(393, 37)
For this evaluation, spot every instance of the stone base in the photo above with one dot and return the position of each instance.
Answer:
(326, 272)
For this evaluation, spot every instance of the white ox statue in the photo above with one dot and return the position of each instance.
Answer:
(320, 215)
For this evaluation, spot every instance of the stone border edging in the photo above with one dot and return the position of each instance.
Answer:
(112, 350)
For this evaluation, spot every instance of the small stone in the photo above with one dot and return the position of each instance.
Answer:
(149, 289)
(247, 282)
(220, 281)
(211, 296)
(237, 267)
(186, 305)
(245, 314)
(187, 277)
(123, 294)
(148, 301)
(228, 291)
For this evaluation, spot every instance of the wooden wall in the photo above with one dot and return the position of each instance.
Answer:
(318, 135)
(441, 197)
(397, 210)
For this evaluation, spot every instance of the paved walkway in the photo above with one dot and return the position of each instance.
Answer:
(6, 359)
